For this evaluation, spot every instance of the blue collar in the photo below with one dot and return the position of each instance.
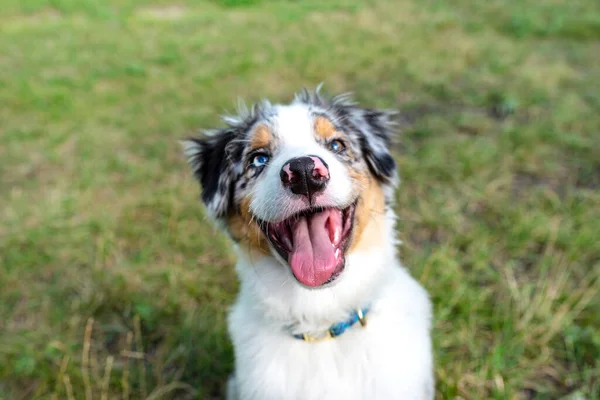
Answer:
(337, 329)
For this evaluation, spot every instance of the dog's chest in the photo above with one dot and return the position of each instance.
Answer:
(380, 361)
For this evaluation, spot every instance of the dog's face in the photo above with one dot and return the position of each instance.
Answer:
(300, 182)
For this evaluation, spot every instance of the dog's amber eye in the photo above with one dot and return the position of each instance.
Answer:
(336, 146)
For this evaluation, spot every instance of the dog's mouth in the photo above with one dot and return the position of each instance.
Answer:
(313, 242)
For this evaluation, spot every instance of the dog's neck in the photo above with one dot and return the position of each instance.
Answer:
(278, 298)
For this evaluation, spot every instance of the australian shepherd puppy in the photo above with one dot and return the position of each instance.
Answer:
(325, 309)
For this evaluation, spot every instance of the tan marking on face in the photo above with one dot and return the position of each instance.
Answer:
(245, 230)
(369, 217)
(261, 137)
(324, 128)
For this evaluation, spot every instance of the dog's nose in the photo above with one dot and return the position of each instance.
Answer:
(305, 175)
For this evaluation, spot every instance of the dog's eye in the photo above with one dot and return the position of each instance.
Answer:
(336, 146)
(260, 160)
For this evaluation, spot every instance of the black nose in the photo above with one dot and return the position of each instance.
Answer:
(305, 175)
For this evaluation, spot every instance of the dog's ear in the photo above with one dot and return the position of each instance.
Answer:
(213, 168)
(377, 128)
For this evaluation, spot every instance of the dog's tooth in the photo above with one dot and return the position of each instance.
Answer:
(337, 235)
(338, 253)
(335, 227)
(287, 241)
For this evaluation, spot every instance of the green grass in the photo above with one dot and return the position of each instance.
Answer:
(499, 205)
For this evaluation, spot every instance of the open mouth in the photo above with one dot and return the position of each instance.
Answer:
(313, 242)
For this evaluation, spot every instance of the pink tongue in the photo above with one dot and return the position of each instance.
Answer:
(313, 257)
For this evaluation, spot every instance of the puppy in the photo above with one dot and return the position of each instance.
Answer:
(325, 309)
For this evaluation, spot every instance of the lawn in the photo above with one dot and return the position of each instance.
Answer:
(113, 284)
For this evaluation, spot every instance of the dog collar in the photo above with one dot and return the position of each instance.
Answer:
(337, 329)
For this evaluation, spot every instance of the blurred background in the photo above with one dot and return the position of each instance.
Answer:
(113, 285)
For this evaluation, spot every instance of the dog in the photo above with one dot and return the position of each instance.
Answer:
(325, 310)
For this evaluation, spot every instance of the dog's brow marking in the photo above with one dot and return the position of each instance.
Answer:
(324, 128)
(261, 137)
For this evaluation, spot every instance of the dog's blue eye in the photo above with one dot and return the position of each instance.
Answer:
(336, 146)
(260, 160)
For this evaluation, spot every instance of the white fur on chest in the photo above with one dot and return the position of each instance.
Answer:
(390, 358)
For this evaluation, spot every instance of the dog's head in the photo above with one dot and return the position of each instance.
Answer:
(299, 182)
